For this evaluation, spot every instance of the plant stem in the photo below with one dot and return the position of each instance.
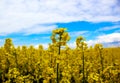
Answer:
(83, 65)
(58, 54)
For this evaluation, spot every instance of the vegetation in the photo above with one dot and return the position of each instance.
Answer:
(24, 64)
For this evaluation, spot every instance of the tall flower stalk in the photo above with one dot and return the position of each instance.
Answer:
(80, 42)
(98, 48)
(59, 38)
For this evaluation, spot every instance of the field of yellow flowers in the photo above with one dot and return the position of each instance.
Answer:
(24, 64)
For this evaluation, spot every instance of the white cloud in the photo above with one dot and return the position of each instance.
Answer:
(39, 29)
(45, 45)
(77, 33)
(109, 28)
(16, 15)
(108, 38)
(72, 44)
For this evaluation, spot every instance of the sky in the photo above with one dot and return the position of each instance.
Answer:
(30, 22)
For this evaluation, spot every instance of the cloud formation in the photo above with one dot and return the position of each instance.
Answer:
(104, 39)
(109, 28)
(19, 15)
(39, 29)
(77, 33)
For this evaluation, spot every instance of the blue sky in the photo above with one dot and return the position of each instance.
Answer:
(30, 22)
